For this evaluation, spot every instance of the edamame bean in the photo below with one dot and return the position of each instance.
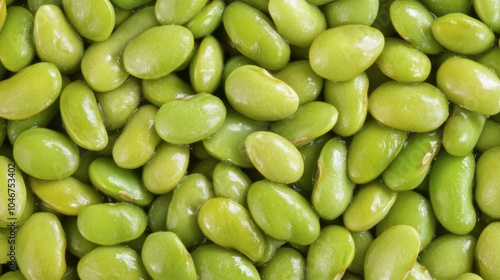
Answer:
(160, 91)
(29, 91)
(94, 20)
(287, 263)
(469, 276)
(487, 191)
(76, 243)
(362, 241)
(283, 165)
(302, 79)
(440, 7)
(129, 4)
(488, 12)
(207, 20)
(419, 272)
(491, 59)
(450, 191)
(13, 192)
(282, 213)
(231, 182)
(177, 12)
(327, 56)
(205, 68)
(158, 211)
(310, 153)
(489, 137)
(33, 5)
(462, 131)
(345, 12)
(34, 146)
(164, 251)
(40, 234)
(487, 251)
(203, 113)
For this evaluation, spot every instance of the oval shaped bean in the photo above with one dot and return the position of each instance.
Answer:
(34, 146)
(490, 136)
(13, 193)
(158, 51)
(413, 22)
(158, 211)
(160, 91)
(111, 223)
(475, 36)
(372, 150)
(328, 56)
(215, 262)
(203, 113)
(344, 12)
(471, 92)
(81, 117)
(415, 107)
(310, 153)
(332, 191)
(488, 252)
(17, 49)
(56, 40)
(462, 131)
(400, 244)
(253, 92)
(177, 12)
(331, 254)
(94, 20)
(76, 243)
(440, 8)
(413, 209)
(243, 23)
(283, 165)
(67, 196)
(287, 263)
(369, 206)
(138, 140)
(450, 190)
(449, 255)
(163, 251)
(40, 234)
(283, 213)
(120, 183)
(487, 191)
(302, 79)
(488, 12)
(207, 20)
(111, 262)
(362, 241)
(419, 272)
(40, 84)
(231, 182)
(310, 121)
(350, 98)
(469, 276)
(205, 68)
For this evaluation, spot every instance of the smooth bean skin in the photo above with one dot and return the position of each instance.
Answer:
(449, 255)
(33, 5)
(94, 20)
(35, 145)
(76, 243)
(229, 224)
(166, 168)
(215, 262)
(243, 23)
(203, 113)
(475, 36)
(332, 191)
(419, 272)
(345, 12)
(12, 275)
(372, 150)
(111, 223)
(469, 276)
(17, 49)
(234, 62)
(118, 105)
(297, 21)
(40, 83)
(415, 107)
(490, 136)
(207, 20)
(402, 62)
(462, 131)
(120, 183)
(205, 68)
(12, 192)
(102, 65)
(253, 92)
(310, 121)
(400, 244)
(138, 140)
(487, 192)
(488, 12)
(302, 79)
(283, 165)
(369, 206)
(81, 116)
(158, 211)
(362, 241)
(287, 263)
(189, 196)
(3, 13)
(441, 8)
(488, 252)
(67, 196)
(130, 4)
(40, 234)
(228, 142)
(409, 168)
(326, 54)
(310, 153)
(160, 91)
(56, 40)
(462, 81)
(177, 12)
(450, 191)
(3, 130)
(231, 182)
(490, 59)
(413, 22)
(350, 98)
(158, 51)
(282, 213)
(413, 209)
(330, 255)
(111, 262)
(163, 251)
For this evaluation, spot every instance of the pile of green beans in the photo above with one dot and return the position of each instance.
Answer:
(250, 139)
